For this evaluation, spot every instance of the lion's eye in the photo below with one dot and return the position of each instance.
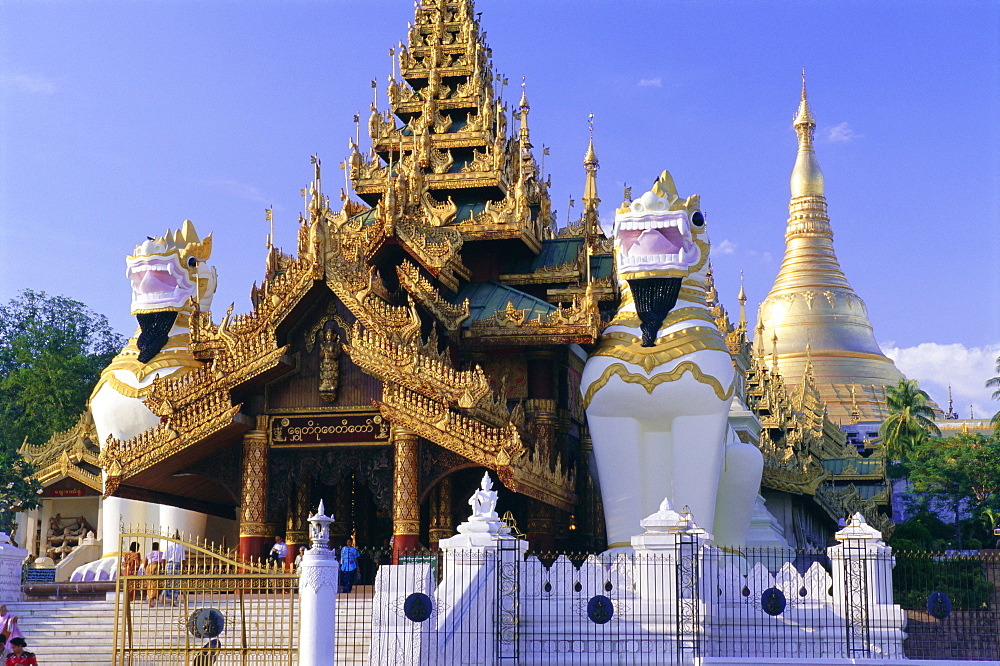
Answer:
(698, 219)
(192, 262)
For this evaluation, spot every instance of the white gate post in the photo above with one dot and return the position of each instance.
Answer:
(481, 623)
(862, 591)
(318, 583)
(673, 570)
(11, 559)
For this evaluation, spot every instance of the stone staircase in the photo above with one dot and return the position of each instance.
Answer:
(81, 632)
(67, 632)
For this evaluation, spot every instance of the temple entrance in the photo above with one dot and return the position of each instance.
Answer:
(356, 511)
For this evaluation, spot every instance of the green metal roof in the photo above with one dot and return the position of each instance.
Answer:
(863, 465)
(601, 265)
(555, 252)
(485, 298)
(467, 210)
(367, 217)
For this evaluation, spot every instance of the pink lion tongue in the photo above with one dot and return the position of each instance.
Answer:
(653, 242)
(156, 282)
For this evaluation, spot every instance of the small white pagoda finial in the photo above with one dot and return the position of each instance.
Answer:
(319, 530)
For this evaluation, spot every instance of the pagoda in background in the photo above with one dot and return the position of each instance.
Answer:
(812, 322)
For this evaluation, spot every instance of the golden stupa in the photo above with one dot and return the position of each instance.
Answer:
(812, 321)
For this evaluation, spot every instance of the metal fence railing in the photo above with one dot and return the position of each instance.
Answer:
(504, 606)
(184, 602)
(672, 607)
(952, 604)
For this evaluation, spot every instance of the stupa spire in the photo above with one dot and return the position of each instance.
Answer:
(742, 298)
(807, 177)
(812, 310)
(591, 218)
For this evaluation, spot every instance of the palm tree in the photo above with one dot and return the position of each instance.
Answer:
(991, 383)
(910, 420)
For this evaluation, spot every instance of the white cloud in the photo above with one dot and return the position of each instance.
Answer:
(935, 366)
(725, 247)
(841, 133)
(35, 85)
(655, 82)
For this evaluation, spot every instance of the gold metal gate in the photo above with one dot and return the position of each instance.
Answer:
(181, 601)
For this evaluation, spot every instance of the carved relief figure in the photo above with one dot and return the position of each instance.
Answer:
(658, 387)
(329, 364)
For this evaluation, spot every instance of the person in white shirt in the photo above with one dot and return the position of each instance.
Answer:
(176, 554)
(278, 551)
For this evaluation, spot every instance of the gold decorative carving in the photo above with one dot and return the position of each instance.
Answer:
(420, 288)
(191, 408)
(253, 499)
(329, 368)
(405, 504)
(628, 347)
(65, 453)
(581, 323)
(650, 383)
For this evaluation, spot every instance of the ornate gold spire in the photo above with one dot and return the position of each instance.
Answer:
(807, 178)
(444, 148)
(742, 298)
(811, 300)
(592, 225)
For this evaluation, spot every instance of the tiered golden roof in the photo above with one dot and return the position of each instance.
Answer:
(70, 454)
(397, 275)
(442, 150)
(805, 453)
(811, 303)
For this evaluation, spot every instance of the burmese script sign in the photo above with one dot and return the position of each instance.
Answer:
(343, 429)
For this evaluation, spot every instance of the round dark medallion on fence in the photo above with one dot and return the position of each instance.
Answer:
(418, 607)
(206, 623)
(600, 609)
(772, 601)
(939, 605)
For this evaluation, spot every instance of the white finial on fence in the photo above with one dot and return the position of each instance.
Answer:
(858, 528)
(320, 528)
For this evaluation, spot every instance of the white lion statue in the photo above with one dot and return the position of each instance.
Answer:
(658, 387)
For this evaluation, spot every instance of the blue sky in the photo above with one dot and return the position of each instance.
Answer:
(120, 119)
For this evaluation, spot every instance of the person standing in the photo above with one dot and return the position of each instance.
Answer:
(18, 655)
(348, 566)
(8, 625)
(131, 561)
(151, 567)
(176, 554)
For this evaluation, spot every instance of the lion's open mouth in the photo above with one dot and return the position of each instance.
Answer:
(158, 282)
(660, 242)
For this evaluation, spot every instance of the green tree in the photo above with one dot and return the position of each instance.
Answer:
(19, 489)
(958, 473)
(910, 421)
(994, 383)
(52, 351)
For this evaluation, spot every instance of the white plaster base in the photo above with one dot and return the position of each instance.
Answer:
(11, 558)
(318, 580)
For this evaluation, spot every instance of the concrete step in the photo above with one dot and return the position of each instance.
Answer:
(56, 630)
